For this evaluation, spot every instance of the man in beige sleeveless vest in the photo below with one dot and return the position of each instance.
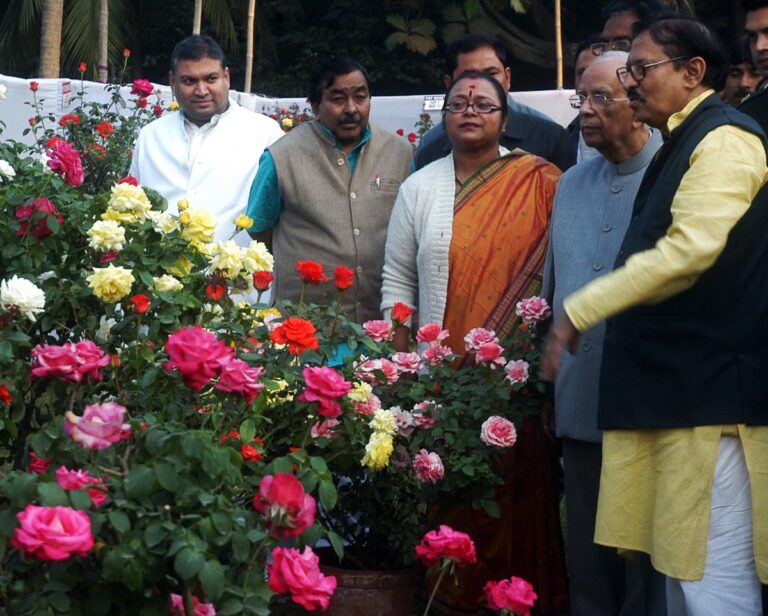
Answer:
(325, 191)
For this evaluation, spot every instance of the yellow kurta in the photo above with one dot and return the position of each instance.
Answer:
(656, 484)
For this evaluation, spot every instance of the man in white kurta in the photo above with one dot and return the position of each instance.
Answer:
(208, 151)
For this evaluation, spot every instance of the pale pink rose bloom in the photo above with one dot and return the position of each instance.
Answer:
(378, 330)
(404, 421)
(428, 466)
(407, 362)
(478, 337)
(490, 353)
(198, 355)
(324, 428)
(431, 333)
(517, 371)
(298, 573)
(324, 385)
(533, 310)
(420, 420)
(436, 354)
(498, 432)
(368, 370)
(200, 609)
(80, 480)
(370, 406)
(100, 426)
(425, 405)
(240, 378)
(53, 533)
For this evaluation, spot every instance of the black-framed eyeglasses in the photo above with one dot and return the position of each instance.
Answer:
(638, 70)
(598, 49)
(480, 107)
(597, 99)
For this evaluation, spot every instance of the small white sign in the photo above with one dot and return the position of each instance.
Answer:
(66, 94)
(434, 102)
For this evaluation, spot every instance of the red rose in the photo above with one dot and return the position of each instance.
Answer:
(343, 278)
(400, 132)
(33, 218)
(108, 257)
(446, 543)
(262, 280)
(33, 85)
(197, 354)
(324, 385)
(157, 110)
(310, 272)
(83, 67)
(140, 303)
(128, 179)
(126, 53)
(54, 142)
(289, 510)
(5, 395)
(214, 292)
(299, 574)
(400, 313)
(412, 137)
(298, 334)
(53, 533)
(105, 129)
(69, 118)
(515, 595)
(32, 120)
(37, 464)
(65, 160)
(96, 150)
(250, 453)
(141, 102)
(142, 87)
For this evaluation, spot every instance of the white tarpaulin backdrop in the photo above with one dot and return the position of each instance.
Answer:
(393, 112)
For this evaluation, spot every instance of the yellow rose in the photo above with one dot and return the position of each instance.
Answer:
(181, 267)
(110, 284)
(106, 235)
(384, 421)
(164, 223)
(226, 258)
(174, 106)
(182, 205)
(243, 222)
(166, 283)
(257, 258)
(129, 203)
(199, 226)
(360, 392)
(377, 451)
(287, 123)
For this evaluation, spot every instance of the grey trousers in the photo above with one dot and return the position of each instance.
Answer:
(602, 583)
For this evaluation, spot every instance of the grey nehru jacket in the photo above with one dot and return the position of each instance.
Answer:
(590, 216)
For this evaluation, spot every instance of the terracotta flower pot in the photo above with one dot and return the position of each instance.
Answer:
(384, 593)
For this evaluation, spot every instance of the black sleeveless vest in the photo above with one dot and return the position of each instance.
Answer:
(700, 357)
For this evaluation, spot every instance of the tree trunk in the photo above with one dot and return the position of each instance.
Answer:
(198, 17)
(50, 38)
(103, 73)
(249, 45)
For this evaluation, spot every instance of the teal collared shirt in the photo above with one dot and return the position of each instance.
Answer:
(264, 201)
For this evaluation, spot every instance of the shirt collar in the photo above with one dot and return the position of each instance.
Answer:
(677, 118)
(643, 157)
(363, 140)
(214, 118)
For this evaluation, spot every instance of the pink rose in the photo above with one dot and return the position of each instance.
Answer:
(372, 371)
(37, 464)
(299, 574)
(404, 421)
(436, 354)
(324, 428)
(431, 333)
(240, 378)
(79, 480)
(478, 337)
(490, 353)
(371, 405)
(200, 609)
(142, 87)
(69, 362)
(65, 160)
(446, 543)
(498, 432)
(428, 467)
(198, 355)
(288, 509)
(90, 359)
(517, 371)
(420, 418)
(378, 331)
(53, 533)
(324, 385)
(407, 362)
(100, 426)
(128, 179)
(533, 310)
(33, 218)
(515, 595)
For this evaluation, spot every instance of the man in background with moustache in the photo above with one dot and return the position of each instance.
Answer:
(756, 26)
(325, 191)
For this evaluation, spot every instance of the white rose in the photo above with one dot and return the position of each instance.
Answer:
(6, 171)
(24, 295)
(104, 332)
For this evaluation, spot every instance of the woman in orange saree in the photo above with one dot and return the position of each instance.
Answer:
(470, 272)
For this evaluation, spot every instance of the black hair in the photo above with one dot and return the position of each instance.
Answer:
(586, 44)
(739, 52)
(642, 9)
(197, 47)
(753, 5)
(486, 77)
(327, 71)
(469, 43)
(687, 37)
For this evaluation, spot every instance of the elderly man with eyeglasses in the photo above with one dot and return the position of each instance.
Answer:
(590, 215)
(683, 398)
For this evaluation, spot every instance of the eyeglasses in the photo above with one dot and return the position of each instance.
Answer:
(638, 70)
(598, 100)
(479, 107)
(598, 49)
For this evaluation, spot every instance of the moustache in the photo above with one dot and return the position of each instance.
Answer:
(349, 118)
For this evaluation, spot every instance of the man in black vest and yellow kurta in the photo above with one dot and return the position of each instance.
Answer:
(684, 378)
(325, 191)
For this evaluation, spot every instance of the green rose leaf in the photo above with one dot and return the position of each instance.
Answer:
(188, 563)
(212, 579)
(119, 521)
(328, 494)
